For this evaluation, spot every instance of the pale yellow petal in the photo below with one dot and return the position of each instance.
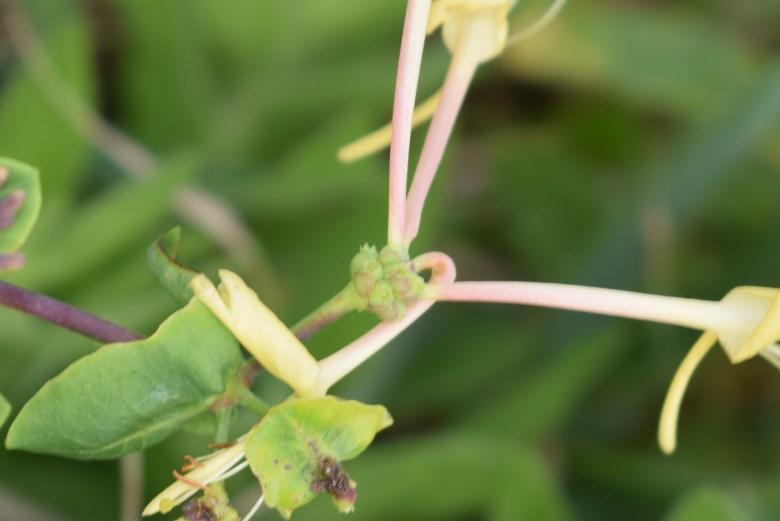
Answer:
(667, 428)
(260, 331)
(767, 332)
(485, 29)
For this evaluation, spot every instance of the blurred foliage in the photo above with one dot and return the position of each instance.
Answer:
(632, 145)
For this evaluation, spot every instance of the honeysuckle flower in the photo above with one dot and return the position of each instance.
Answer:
(458, 19)
(259, 330)
(484, 23)
(746, 322)
(216, 467)
(450, 15)
(756, 333)
(474, 31)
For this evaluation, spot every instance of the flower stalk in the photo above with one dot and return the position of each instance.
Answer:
(339, 305)
(693, 313)
(746, 322)
(412, 43)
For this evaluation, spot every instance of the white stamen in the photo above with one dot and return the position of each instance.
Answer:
(230, 473)
(225, 470)
(254, 509)
(539, 24)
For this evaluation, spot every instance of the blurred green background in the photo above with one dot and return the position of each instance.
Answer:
(632, 145)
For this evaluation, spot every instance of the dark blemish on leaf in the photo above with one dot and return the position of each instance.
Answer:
(197, 510)
(334, 480)
(288, 466)
(276, 462)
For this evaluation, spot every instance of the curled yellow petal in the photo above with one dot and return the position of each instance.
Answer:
(380, 138)
(259, 330)
(667, 428)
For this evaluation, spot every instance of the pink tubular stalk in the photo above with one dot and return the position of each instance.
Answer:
(456, 84)
(341, 363)
(409, 62)
(698, 314)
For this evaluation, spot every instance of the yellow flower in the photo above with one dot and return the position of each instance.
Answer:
(483, 22)
(474, 31)
(260, 331)
(216, 468)
(753, 329)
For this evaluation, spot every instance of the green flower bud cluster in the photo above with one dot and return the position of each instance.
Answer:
(385, 281)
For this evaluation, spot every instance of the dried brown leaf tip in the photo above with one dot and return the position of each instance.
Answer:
(335, 481)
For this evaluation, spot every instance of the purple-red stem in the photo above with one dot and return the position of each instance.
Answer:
(64, 315)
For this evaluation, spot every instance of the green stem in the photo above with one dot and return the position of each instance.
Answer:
(221, 437)
(338, 306)
(222, 434)
(250, 400)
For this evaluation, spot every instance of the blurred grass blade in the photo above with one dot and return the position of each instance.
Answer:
(93, 234)
(688, 178)
(706, 504)
(5, 410)
(544, 401)
(32, 130)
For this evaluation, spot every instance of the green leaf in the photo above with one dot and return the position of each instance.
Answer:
(125, 397)
(162, 260)
(706, 504)
(296, 449)
(21, 179)
(5, 409)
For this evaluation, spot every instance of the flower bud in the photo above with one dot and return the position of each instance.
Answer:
(363, 283)
(381, 297)
(366, 255)
(389, 257)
